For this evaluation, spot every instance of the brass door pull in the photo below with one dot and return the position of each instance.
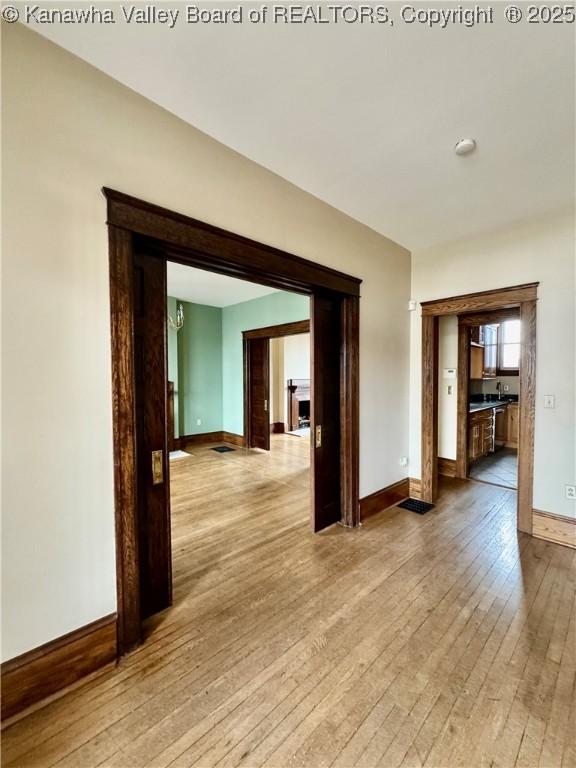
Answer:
(318, 433)
(157, 468)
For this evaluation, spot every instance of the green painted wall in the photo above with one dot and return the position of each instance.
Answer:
(200, 370)
(173, 361)
(206, 358)
(273, 309)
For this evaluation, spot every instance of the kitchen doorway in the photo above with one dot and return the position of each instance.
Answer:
(471, 310)
(495, 345)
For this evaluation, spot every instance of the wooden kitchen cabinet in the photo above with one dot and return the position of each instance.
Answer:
(481, 434)
(484, 358)
(490, 351)
(513, 422)
(476, 362)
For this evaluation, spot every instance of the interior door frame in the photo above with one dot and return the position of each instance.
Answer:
(524, 297)
(179, 238)
(269, 332)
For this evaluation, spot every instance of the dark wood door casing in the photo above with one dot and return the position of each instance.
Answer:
(150, 375)
(135, 224)
(325, 411)
(257, 355)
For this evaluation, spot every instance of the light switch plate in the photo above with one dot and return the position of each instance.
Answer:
(549, 401)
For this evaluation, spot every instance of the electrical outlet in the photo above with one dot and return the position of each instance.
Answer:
(198, 422)
(571, 491)
(450, 389)
(403, 461)
(549, 401)
(506, 388)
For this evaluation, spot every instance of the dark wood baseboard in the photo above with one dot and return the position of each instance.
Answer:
(211, 437)
(234, 439)
(45, 670)
(277, 428)
(384, 498)
(447, 467)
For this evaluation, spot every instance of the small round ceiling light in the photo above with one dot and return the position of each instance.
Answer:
(465, 146)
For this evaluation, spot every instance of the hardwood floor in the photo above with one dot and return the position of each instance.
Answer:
(499, 468)
(440, 640)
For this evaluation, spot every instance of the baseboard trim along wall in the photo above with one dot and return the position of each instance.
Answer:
(277, 428)
(211, 437)
(446, 467)
(45, 670)
(415, 487)
(384, 498)
(555, 528)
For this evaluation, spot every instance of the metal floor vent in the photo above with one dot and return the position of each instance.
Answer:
(415, 505)
(222, 449)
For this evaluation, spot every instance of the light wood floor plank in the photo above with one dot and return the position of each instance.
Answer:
(440, 640)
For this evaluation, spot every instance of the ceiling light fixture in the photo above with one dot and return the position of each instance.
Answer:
(465, 146)
(179, 322)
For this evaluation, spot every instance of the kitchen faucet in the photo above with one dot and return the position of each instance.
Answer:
(499, 389)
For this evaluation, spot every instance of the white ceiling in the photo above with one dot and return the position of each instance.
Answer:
(366, 117)
(210, 289)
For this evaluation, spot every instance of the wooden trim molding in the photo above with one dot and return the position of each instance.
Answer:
(224, 251)
(350, 412)
(527, 415)
(134, 226)
(277, 331)
(555, 528)
(447, 467)
(522, 298)
(415, 487)
(124, 435)
(212, 437)
(34, 675)
(485, 318)
(501, 298)
(462, 396)
(429, 481)
(277, 428)
(384, 498)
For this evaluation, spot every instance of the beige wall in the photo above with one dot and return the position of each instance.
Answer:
(540, 249)
(69, 130)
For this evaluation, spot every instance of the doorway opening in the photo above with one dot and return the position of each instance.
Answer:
(238, 477)
(494, 368)
(491, 420)
(143, 238)
(473, 347)
(277, 363)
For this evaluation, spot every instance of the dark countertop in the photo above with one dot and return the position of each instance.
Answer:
(474, 407)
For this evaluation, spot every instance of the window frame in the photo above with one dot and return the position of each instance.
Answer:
(500, 370)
